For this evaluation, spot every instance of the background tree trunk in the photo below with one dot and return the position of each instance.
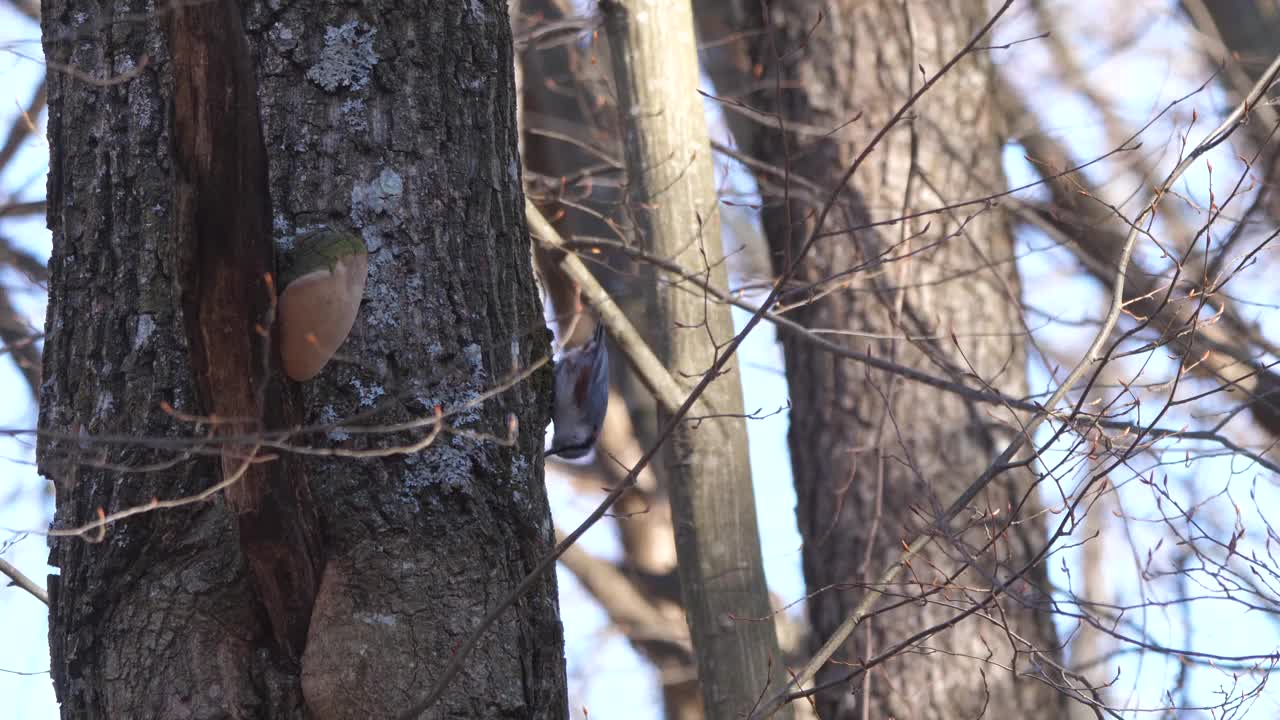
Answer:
(396, 122)
(875, 457)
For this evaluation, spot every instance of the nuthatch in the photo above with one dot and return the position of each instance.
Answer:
(581, 397)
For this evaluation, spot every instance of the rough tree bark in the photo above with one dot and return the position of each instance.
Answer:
(875, 458)
(393, 121)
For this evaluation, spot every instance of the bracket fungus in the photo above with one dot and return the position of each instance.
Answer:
(323, 282)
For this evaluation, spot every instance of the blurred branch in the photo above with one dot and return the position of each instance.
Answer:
(24, 582)
(1241, 31)
(24, 125)
(627, 606)
(24, 262)
(16, 336)
(29, 8)
(33, 207)
(644, 515)
(647, 366)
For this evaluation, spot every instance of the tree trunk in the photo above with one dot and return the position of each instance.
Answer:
(876, 458)
(183, 145)
(673, 204)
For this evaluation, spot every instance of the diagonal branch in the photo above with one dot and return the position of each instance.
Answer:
(29, 8)
(24, 582)
(36, 270)
(23, 125)
(648, 368)
(627, 606)
(18, 338)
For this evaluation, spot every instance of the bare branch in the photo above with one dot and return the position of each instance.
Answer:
(23, 581)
